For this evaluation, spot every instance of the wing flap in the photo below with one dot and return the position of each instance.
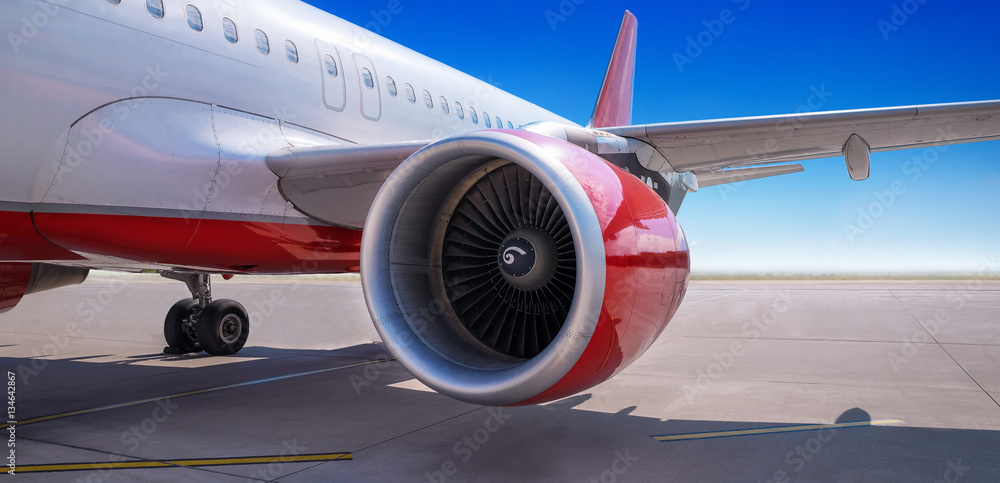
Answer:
(713, 177)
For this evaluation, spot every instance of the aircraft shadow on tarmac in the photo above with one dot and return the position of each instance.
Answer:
(325, 401)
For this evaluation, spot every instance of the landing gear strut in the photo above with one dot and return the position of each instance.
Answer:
(218, 327)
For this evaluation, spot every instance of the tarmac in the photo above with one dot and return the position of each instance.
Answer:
(751, 381)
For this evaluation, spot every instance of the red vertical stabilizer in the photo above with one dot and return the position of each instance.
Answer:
(614, 105)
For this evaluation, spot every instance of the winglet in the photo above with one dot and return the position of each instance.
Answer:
(614, 105)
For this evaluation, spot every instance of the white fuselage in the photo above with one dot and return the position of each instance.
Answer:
(107, 109)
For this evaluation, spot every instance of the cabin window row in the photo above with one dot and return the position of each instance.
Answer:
(411, 95)
(231, 32)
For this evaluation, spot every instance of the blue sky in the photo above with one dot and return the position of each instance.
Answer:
(767, 60)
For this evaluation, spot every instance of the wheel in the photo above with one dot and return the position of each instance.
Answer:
(223, 327)
(181, 338)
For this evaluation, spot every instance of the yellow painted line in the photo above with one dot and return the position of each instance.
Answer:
(124, 465)
(127, 465)
(188, 393)
(782, 429)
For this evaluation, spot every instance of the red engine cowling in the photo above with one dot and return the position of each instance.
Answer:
(20, 279)
(509, 267)
(14, 280)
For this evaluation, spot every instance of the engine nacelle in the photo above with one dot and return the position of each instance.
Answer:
(510, 267)
(20, 279)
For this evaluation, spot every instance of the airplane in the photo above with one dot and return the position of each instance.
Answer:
(508, 256)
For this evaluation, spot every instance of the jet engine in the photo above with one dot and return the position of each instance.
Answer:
(510, 267)
(20, 279)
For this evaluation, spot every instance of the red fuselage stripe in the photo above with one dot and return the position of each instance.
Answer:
(204, 244)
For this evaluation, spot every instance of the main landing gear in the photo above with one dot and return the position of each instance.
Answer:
(218, 327)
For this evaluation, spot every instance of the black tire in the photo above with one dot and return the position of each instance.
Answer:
(177, 337)
(223, 327)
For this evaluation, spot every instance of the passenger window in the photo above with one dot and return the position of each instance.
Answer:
(486, 119)
(114, 2)
(509, 125)
(499, 123)
(229, 30)
(367, 76)
(410, 95)
(444, 105)
(292, 52)
(155, 8)
(459, 111)
(390, 85)
(331, 65)
(193, 17)
(263, 46)
(428, 100)
(473, 115)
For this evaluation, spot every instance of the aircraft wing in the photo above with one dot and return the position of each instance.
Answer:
(337, 184)
(708, 148)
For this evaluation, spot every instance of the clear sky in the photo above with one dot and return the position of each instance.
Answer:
(769, 59)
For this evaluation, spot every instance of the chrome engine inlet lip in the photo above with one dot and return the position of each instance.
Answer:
(396, 270)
